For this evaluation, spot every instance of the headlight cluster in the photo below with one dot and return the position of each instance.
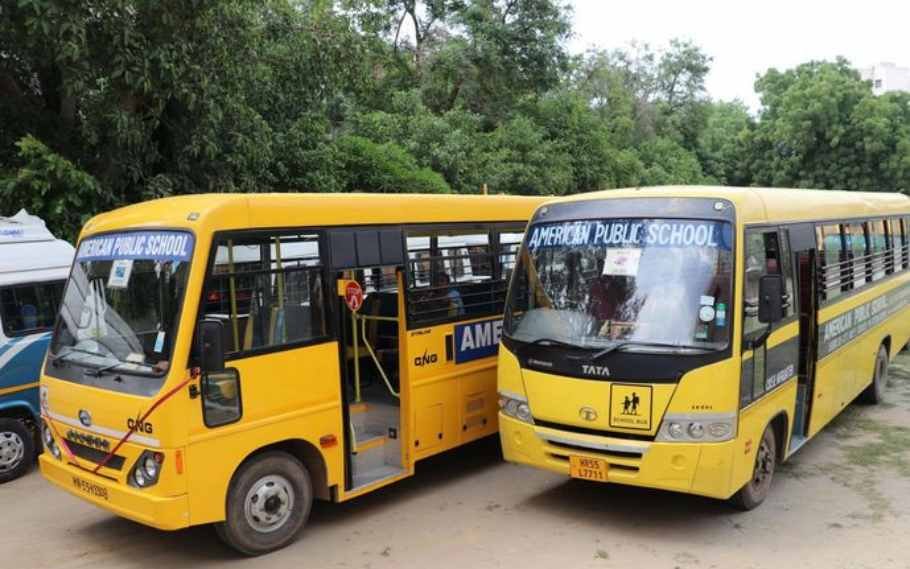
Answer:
(147, 469)
(515, 407)
(49, 443)
(695, 428)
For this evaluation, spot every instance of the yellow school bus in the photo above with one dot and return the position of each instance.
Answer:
(692, 338)
(226, 359)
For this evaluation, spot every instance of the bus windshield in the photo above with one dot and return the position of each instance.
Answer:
(121, 304)
(636, 284)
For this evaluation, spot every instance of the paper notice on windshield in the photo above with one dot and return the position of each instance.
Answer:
(121, 269)
(622, 262)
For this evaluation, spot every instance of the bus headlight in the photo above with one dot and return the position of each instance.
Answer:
(709, 428)
(516, 407)
(48, 438)
(147, 469)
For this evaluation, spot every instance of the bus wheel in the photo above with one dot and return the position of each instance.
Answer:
(756, 490)
(875, 393)
(268, 501)
(17, 448)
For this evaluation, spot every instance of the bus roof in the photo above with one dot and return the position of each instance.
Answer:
(29, 252)
(217, 212)
(759, 205)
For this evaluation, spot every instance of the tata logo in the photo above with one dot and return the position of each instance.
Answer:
(602, 371)
(138, 426)
(426, 359)
(588, 414)
(85, 418)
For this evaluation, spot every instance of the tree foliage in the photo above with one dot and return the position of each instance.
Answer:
(109, 102)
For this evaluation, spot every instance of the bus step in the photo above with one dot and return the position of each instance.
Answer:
(358, 408)
(367, 437)
(375, 475)
(374, 441)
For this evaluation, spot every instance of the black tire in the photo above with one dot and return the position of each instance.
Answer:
(17, 449)
(268, 502)
(875, 393)
(757, 489)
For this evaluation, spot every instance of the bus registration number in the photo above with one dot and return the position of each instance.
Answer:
(90, 488)
(588, 468)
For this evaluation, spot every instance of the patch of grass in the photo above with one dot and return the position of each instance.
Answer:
(889, 447)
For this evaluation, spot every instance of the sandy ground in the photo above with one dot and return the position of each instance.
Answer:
(841, 502)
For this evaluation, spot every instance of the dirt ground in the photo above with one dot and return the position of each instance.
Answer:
(842, 501)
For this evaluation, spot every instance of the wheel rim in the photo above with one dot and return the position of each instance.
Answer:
(269, 503)
(12, 450)
(764, 468)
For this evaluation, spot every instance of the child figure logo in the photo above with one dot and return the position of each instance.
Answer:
(630, 404)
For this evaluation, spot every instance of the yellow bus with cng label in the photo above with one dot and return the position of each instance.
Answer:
(227, 358)
(691, 338)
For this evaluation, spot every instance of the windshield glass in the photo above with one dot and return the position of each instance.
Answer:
(653, 284)
(121, 303)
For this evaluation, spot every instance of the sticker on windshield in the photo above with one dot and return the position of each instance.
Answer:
(706, 314)
(622, 262)
(121, 269)
(159, 342)
(721, 314)
(707, 300)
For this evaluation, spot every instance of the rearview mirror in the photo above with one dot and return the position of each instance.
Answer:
(770, 299)
(210, 338)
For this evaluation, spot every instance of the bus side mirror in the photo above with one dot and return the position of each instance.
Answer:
(770, 299)
(210, 338)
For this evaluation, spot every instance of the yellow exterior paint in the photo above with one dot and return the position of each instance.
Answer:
(711, 469)
(289, 396)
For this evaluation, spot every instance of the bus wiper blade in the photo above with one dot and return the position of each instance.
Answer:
(549, 342)
(620, 345)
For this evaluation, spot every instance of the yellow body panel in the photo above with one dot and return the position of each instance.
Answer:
(289, 396)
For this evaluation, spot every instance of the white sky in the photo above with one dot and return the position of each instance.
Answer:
(748, 38)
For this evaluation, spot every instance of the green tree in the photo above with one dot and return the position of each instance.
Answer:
(822, 127)
(723, 143)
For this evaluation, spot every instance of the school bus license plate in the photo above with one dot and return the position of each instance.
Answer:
(90, 488)
(588, 468)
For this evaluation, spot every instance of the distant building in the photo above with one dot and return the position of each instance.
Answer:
(887, 77)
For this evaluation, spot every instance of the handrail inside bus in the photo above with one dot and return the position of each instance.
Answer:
(366, 343)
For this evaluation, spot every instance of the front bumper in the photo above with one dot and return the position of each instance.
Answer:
(696, 468)
(165, 513)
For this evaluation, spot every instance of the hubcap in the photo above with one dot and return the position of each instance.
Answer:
(12, 450)
(269, 503)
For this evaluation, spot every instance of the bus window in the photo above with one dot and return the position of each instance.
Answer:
(30, 308)
(509, 242)
(833, 260)
(450, 276)
(856, 246)
(905, 241)
(878, 244)
(268, 290)
(893, 261)
(763, 257)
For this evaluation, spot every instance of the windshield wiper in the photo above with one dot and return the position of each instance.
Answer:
(548, 342)
(623, 344)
